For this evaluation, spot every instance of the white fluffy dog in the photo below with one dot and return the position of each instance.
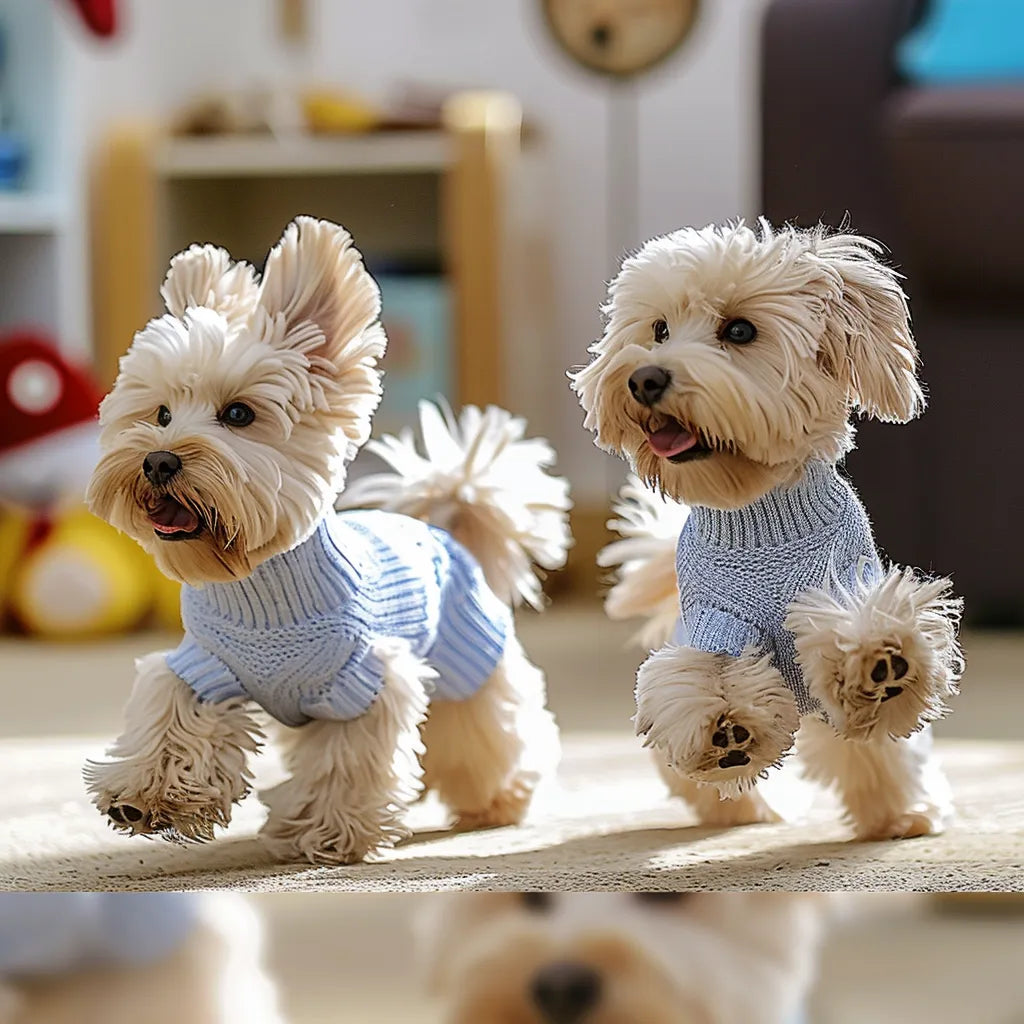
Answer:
(622, 958)
(225, 443)
(109, 958)
(729, 365)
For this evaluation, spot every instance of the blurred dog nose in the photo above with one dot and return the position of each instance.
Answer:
(564, 992)
(159, 467)
(601, 35)
(648, 384)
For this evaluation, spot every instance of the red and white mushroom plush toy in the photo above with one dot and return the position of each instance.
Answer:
(62, 571)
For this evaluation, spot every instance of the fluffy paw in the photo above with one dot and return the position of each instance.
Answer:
(882, 660)
(176, 818)
(911, 825)
(508, 807)
(715, 719)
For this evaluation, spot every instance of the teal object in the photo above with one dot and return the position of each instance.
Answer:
(966, 41)
(419, 363)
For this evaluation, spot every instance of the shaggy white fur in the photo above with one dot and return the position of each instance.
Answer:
(684, 698)
(483, 482)
(619, 958)
(258, 393)
(180, 764)
(644, 561)
(730, 359)
(906, 624)
(351, 782)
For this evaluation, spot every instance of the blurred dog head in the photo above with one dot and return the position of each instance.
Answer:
(732, 356)
(227, 432)
(621, 958)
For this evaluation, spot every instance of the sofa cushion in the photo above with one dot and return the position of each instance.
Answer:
(956, 157)
(966, 40)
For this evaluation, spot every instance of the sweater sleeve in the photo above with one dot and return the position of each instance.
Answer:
(212, 681)
(717, 632)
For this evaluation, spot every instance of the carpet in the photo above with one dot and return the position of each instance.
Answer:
(605, 824)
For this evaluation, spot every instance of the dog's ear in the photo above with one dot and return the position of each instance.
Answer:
(315, 275)
(868, 344)
(317, 297)
(205, 276)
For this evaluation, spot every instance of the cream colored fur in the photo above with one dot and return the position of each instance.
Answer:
(486, 755)
(832, 337)
(483, 482)
(350, 783)
(839, 643)
(890, 788)
(684, 697)
(710, 958)
(180, 764)
(300, 348)
(644, 559)
(218, 975)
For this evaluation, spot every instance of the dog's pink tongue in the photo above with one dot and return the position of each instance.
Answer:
(671, 440)
(170, 516)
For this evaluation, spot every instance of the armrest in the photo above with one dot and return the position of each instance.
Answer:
(827, 68)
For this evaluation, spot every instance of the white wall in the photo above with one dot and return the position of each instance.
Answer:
(697, 120)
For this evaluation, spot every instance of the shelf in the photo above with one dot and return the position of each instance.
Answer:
(265, 156)
(24, 213)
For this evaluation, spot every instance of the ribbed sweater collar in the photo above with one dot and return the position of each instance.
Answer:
(811, 505)
(311, 579)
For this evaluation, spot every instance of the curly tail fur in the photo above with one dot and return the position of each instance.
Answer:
(483, 482)
(644, 561)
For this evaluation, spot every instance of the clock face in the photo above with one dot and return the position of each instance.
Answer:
(620, 37)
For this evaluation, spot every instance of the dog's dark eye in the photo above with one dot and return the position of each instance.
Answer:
(662, 897)
(739, 332)
(537, 902)
(660, 331)
(237, 414)
(163, 415)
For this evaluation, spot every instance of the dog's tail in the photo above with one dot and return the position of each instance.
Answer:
(644, 560)
(483, 482)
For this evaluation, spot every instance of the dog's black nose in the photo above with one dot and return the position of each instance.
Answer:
(159, 467)
(601, 35)
(648, 384)
(564, 992)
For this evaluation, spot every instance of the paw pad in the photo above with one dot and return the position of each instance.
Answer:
(890, 668)
(731, 738)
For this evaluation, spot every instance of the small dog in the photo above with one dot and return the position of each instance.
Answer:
(96, 958)
(730, 363)
(225, 442)
(622, 958)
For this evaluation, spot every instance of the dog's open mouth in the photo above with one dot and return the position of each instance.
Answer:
(674, 441)
(172, 520)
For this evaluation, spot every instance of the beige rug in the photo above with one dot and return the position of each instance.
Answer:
(606, 824)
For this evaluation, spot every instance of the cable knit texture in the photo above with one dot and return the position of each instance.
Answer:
(739, 569)
(297, 635)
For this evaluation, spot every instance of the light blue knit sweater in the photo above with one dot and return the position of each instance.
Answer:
(43, 933)
(739, 569)
(296, 636)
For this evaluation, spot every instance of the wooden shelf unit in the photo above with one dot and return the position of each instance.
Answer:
(433, 196)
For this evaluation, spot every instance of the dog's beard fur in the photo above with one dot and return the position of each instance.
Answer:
(832, 334)
(706, 959)
(305, 366)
